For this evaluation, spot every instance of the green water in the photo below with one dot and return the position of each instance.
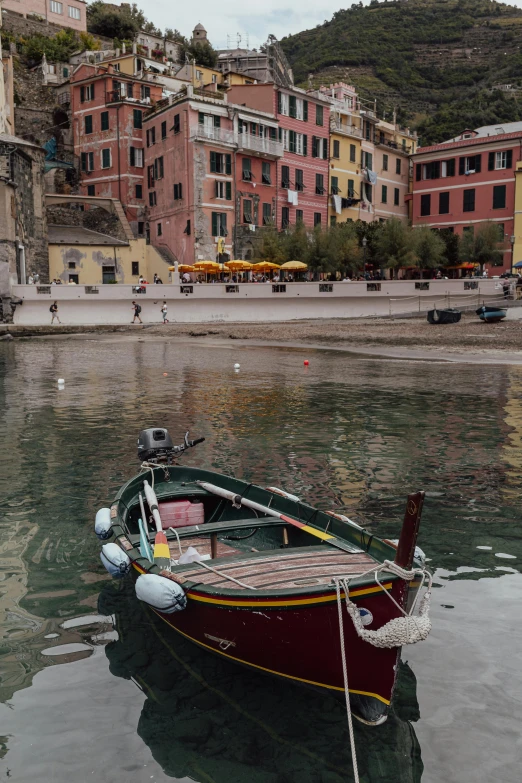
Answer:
(92, 688)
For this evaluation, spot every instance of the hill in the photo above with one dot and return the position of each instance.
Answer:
(444, 64)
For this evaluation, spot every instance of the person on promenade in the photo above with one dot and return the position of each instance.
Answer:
(54, 313)
(137, 310)
(164, 312)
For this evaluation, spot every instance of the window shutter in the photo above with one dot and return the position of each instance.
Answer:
(478, 163)
(132, 156)
(305, 144)
(92, 91)
(450, 167)
(314, 146)
(491, 161)
(84, 161)
(180, 190)
(418, 172)
(462, 165)
(292, 106)
(305, 111)
(228, 161)
(325, 149)
(509, 159)
(228, 191)
(279, 103)
(213, 161)
(82, 94)
(215, 231)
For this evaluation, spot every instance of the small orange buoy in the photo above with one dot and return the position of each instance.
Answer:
(165, 374)
(306, 362)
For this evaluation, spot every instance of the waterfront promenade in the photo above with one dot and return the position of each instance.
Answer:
(247, 302)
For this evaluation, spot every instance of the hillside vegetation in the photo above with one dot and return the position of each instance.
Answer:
(437, 62)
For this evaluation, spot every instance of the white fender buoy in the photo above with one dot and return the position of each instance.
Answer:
(102, 524)
(161, 593)
(236, 366)
(115, 560)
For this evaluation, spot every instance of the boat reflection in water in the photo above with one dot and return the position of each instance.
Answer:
(210, 720)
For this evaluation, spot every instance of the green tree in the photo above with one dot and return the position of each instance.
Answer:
(295, 243)
(345, 248)
(320, 256)
(452, 242)
(428, 247)
(202, 52)
(270, 247)
(394, 245)
(122, 22)
(483, 245)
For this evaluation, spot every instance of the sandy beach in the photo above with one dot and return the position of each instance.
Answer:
(470, 340)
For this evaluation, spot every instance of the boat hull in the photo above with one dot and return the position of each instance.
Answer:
(299, 640)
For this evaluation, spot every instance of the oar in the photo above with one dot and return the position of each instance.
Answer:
(237, 499)
(161, 547)
(145, 549)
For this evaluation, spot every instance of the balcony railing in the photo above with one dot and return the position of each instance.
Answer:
(204, 133)
(339, 127)
(116, 96)
(261, 144)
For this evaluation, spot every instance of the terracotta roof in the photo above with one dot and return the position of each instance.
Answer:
(78, 235)
(449, 145)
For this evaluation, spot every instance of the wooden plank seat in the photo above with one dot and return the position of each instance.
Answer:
(282, 568)
(203, 546)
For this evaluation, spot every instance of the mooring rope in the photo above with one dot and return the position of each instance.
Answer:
(345, 678)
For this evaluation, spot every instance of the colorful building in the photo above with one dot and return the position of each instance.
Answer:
(469, 180)
(69, 13)
(304, 129)
(211, 179)
(108, 109)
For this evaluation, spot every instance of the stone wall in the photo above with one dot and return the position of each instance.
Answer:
(30, 215)
(94, 218)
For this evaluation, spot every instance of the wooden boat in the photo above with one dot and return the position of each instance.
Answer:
(286, 589)
(447, 316)
(491, 314)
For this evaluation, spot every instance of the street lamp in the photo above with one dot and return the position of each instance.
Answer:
(364, 243)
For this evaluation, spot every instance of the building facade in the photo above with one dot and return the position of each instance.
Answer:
(211, 177)
(66, 13)
(468, 180)
(304, 130)
(108, 108)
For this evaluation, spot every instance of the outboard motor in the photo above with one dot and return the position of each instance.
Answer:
(155, 445)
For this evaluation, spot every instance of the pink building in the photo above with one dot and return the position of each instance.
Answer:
(67, 13)
(210, 175)
(108, 110)
(304, 130)
(469, 180)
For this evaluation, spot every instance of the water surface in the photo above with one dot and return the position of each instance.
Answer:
(93, 689)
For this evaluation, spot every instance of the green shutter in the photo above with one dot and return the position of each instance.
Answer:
(201, 118)
(132, 156)
(491, 161)
(279, 102)
(213, 166)
(509, 159)
(305, 111)
(217, 121)
(351, 188)
(314, 146)
(305, 144)
(325, 149)
(292, 106)
(228, 191)
(228, 167)
(215, 230)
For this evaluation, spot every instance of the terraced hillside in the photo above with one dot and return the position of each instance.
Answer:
(441, 63)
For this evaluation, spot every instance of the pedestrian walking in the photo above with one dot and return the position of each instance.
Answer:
(137, 310)
(54, 312)
(164, 312)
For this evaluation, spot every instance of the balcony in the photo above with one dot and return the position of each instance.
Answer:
(116, 96)
(261, 145)
(216, 135)
(336, 126)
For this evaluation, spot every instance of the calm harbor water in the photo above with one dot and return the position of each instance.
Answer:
(92, 688)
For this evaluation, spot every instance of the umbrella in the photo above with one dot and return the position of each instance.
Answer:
(265, 266)
(297, 265)
(518, 265)
(239, 265)
(183, 268)
(203, 266)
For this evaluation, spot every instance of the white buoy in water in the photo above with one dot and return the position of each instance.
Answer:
(60, 381)
(236, 366)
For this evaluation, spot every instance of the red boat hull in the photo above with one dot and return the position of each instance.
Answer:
(298, 639)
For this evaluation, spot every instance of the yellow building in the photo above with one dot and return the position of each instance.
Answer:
(78, 255)
(345, 153)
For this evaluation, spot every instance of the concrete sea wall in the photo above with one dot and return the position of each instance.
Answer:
(246, 302)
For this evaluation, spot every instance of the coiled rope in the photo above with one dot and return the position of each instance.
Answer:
(407, 629)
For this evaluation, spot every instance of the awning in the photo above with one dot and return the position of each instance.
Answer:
(518, 265)
(258, 120)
